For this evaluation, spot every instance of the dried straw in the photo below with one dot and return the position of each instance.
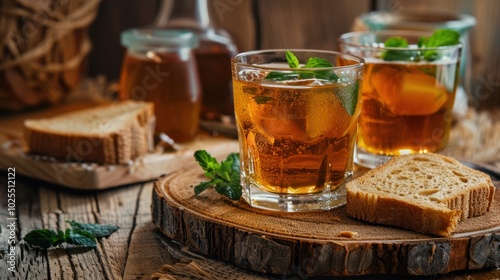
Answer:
(42, 46)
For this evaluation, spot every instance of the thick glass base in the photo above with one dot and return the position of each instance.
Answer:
(369, 160)
(324, 200)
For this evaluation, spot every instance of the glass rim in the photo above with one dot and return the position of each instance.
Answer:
(402, 33)
(360, 62)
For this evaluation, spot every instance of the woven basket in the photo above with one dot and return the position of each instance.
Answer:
(42, 47)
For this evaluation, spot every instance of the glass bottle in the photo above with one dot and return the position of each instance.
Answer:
(213, 54)
(160, 67)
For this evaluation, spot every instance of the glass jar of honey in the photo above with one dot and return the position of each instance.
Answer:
(160, 67)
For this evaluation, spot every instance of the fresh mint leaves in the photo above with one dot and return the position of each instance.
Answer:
(225, 176)
(440, 38)
(398, 42)
(280, 76)
(97, 230)
(313, 62)
(350, 100)
(44, 238)
(306, 72)
(79, 234)
(292, 60)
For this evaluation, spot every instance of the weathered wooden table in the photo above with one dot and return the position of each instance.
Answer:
(136, 251)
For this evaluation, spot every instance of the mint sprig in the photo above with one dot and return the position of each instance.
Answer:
(225, 176)
(292, 60)
(96, 230)
(349, 102)
(44, 238)
(440, 38)
(313, 62)
(394, 55)
(79, 234)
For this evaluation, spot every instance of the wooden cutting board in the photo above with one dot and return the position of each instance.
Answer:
(89, 176)
(316, 243)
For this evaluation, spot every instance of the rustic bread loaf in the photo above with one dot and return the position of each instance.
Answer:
(427, 193)
(108, 134)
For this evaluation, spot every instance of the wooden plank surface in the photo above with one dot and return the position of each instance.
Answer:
(133, 252)
(136, 250)
(83, 175)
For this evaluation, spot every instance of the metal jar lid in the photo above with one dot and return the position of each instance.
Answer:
(158, 39)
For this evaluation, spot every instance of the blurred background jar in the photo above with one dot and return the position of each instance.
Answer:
(213, 53)
(160, 66)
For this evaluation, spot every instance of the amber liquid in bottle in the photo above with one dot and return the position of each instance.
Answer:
(213, 54)
(168, 82)
(214, 68)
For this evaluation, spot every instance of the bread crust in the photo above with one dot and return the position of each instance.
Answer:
(440, 216)
(129, 137)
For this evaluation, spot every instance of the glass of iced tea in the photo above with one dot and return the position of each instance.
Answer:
(296, 126)
(407, 94)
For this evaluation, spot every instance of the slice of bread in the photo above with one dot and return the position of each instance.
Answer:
(109, 134)
(427, 193)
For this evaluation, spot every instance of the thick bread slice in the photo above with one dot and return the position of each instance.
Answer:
(427, 193)
(107, 134)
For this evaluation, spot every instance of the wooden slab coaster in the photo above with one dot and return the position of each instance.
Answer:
(317, 243)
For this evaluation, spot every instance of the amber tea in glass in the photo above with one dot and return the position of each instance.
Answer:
(296, 133)
(406, 104)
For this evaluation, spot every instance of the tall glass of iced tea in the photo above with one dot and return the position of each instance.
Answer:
(407, 94)
(296, 126)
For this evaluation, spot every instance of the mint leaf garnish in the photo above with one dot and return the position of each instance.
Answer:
(225, 176)
(235, 157)
(82, 238)
(207, 162)
(292, 60)
(349, 100)
(97, 230)
(43, 238)
(316, 62)
(280, 76)
(398, 42)
(440, 38)
(201, 187)
(313, 62)
(79, 234)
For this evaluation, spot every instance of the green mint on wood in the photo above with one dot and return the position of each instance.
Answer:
(98, 230)
(80, 234)
(44, 238)
(224, 176)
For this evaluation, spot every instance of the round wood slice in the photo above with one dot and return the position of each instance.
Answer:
(316, 243)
